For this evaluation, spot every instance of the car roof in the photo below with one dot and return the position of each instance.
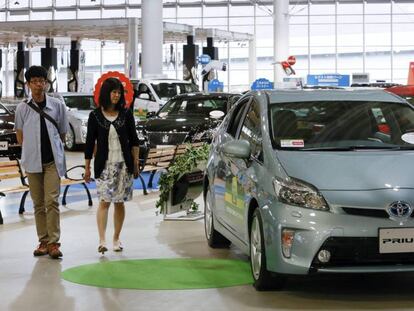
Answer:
(70, 94)
(198, 95)
(283, 96)
(165, 81)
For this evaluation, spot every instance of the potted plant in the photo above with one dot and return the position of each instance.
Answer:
(193, 158)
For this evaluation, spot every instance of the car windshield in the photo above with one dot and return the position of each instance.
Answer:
(199, 106)
(342, 125)
(80, 102)
(10, 107)
(3, 110)
(167, 90)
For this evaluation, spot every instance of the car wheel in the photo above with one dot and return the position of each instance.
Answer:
(263, 279)
(70, 143)
(214, 238)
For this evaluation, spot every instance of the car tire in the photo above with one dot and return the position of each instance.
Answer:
(214, 238)
(70, 140)
(263, 279)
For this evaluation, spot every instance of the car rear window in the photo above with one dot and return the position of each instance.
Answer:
(166, 91)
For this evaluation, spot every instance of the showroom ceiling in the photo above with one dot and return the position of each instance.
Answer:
(115, 29)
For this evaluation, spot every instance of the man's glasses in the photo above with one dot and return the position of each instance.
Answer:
(35, 81)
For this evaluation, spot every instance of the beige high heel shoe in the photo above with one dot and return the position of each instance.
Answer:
(118, 246)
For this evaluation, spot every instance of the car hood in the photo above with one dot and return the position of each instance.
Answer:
(352, 170)
(80, 114)
(178, 123)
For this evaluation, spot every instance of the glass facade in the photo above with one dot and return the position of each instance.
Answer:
(345, 36)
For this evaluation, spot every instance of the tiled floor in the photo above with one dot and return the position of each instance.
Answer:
(28, 283)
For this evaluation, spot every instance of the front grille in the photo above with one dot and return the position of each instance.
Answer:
(166, 138)
(13, 150)
(355, 251)
(367, 212)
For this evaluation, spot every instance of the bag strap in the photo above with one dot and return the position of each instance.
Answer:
(43, 114)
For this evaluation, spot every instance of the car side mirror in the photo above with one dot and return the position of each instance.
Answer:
(238, 149)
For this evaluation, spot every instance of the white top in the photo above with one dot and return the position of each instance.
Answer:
(114, 146)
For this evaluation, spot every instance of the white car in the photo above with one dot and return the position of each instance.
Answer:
(154, 93)
(79, 106)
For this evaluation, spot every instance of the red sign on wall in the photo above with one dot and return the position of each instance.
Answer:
(411, 74)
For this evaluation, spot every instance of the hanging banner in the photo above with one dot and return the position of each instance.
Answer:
(128, 88)
(328, 80)
(215, 86)
(261, 84)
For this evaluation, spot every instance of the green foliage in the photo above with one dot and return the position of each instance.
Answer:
(183, 164)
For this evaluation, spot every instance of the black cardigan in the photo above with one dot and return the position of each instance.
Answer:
(98, 131)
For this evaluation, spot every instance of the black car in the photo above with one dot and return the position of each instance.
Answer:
(186, 118)
(8, 141)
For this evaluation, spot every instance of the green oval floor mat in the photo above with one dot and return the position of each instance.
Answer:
(158, 274)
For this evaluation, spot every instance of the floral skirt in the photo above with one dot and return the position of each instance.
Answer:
(115, 183)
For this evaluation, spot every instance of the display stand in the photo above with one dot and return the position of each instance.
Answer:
(183, 215)
(181, 211)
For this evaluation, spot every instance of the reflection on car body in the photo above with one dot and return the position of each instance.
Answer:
(308, 181)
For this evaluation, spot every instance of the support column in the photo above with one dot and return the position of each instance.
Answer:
(48, 58)
(1, 65)
(190, 54)
(252, 61)
(133, 48)
(6, 70)
(211, 51)
(152, 38)
(21, 64)
(73, 68)
(101, 64)
(280, 36)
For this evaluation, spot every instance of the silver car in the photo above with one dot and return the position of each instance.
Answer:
(309, 181)
(79, 106)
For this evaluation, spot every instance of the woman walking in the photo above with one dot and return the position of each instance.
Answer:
(112, 128)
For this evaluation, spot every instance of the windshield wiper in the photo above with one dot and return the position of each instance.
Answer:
(351, 148)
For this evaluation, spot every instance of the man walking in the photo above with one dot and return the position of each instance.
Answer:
(41, 124)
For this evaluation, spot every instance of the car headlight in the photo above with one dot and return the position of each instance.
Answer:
(84, 123)
(295, 192)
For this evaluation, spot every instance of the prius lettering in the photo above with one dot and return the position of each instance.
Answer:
(398, 241)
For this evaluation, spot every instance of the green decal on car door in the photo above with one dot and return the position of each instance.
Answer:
(233, 198)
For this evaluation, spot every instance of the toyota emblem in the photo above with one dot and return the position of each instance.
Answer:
(400, 209)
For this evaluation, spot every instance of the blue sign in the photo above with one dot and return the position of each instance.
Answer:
(204, 59)
(215, 86)
(328, 80)
(262, 84)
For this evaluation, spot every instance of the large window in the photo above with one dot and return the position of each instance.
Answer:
(325, 36)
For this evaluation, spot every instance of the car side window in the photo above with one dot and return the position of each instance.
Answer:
(236, 117)
(251, 130)
(71, 101)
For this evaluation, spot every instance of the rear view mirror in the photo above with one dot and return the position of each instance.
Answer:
(237, 149)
